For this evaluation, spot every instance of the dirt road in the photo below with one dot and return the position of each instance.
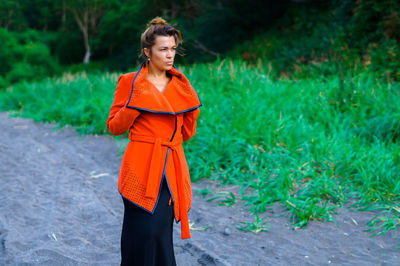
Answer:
(59, 205)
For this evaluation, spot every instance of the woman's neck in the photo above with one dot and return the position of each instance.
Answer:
(156, 73)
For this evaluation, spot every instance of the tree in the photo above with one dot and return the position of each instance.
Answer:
(11, 15)
(87, 15)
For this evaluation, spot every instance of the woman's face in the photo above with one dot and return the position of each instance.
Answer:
(162, 52)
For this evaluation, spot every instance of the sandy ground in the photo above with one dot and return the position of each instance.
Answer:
(59, 205)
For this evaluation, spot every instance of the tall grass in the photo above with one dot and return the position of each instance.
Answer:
(81, 100)
(310, 144)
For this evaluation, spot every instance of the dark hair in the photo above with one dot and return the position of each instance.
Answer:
(158, 27)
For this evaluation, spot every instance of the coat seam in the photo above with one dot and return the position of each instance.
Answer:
(161, 112)
(174, 113)
(137, 73)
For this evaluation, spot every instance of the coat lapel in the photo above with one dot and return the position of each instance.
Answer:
(178, 97)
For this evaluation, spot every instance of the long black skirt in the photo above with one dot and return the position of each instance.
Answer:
(146, 239)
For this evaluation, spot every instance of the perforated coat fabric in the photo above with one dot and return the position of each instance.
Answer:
(158, 123)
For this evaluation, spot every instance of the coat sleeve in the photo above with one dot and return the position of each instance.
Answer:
(121, 118)
(189, 124)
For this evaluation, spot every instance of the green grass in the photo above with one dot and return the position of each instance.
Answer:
(81, 100)
(309, 143)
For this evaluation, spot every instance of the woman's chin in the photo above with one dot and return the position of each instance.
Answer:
(167, 67)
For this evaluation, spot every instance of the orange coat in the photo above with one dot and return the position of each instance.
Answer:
(158, 122)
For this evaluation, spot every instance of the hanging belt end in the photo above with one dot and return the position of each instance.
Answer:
(185, 231)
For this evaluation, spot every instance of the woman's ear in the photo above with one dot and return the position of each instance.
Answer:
(146, 52)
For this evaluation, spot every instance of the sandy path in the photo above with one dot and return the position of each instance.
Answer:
(59, 205)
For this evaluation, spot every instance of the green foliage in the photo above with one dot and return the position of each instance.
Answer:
(387, 219)
(384, 58)
(308, 37)
(69, 48)
(202, 192)
(257, 226)
(375, 20)
(121, 22)
(120, 31)
(283, 31)
(226, 198)
(304, 143)
(8, 51)
(12, 15)
(80, 100)
(24, 58)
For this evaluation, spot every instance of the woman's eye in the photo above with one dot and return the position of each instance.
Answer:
(165, 49)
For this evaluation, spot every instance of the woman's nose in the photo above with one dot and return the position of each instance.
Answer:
(170, 54)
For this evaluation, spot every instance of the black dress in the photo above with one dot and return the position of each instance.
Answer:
(146, 239)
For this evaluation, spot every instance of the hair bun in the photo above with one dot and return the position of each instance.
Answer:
(157, 21)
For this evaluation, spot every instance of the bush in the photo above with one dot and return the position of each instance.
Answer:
(385, 58)
(8, 51)
(24, 57)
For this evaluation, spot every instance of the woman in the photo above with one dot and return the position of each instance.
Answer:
(159, 107)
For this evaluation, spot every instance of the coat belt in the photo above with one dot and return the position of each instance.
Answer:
(155, 164)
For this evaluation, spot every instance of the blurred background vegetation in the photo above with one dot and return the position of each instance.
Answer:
(300, 98)
(41, 38)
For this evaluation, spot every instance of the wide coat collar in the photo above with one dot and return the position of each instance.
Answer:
(178, 97)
